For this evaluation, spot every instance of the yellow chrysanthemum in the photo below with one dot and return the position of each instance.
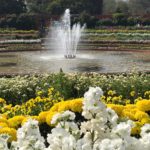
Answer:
(76, 105)
(143, 105)
(130, 106)
(145, 121)
(129, 113)
(16, 121)
(2, 101)
(3, 124)
(49, 117)
(117, 108)
(10, 131)
(132, 93)
(111, 92)
(56, 106)
(4, 120)
(136, 129)
(42, 116)
(139, 115)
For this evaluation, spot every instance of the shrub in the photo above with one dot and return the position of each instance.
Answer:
(26, 21)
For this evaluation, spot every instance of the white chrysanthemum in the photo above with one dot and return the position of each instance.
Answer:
(93, 93)
(70, 127)
(60, 139)
(29, 137)
(112, 144)
(145, 130)
(145, 134)
(112, 116)
(3, 141)
(83, 144)
(123, 129)
(92, 104)
(67, 115)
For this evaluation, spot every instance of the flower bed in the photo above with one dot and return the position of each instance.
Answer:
(16, 90)
(79, 124)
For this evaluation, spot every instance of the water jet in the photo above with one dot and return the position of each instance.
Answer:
(64, 38)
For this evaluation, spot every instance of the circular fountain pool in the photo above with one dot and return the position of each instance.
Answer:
(85, 61)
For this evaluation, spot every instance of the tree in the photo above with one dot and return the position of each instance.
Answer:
(139, 7)
(109, 6)
(57, 7)
(12, 6)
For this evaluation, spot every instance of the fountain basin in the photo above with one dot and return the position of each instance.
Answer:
(85, 61)
(70, 56)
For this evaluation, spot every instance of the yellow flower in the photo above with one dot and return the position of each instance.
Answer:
(3, 124)
(4, 120)
(49, 117)
(145, 121)
(139, 115)
(42, 116)
(103, 98)
(9, 131)
(132, 93)
(76, 105)
(143, 105)
(130, 106)
(111, 92)
(2, 101)
(147, 94)
(129, 113)
(138, 99)
(16, 121)
(135, 131)
(39, 93)
(65, 106)
(127, 101)
(117, 108)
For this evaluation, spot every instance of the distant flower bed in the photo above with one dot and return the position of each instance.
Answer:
(20, 41)
(95, 122)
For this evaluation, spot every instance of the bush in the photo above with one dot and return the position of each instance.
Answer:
(26, 21)
(23, 21)
(145, 22)
(120, 19)
(105, 22)
(90, 21)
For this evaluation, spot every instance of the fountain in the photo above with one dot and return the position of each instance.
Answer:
(63, 37)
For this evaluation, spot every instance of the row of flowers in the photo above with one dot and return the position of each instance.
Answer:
(42, 110)
(79, 124)
(14, 41)
(19, 89)
(118, 31)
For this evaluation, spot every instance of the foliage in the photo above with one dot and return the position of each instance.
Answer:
(23, 21)
(12, 6)
(17, 90)
(82, 122)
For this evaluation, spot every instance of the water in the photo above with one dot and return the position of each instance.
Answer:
(63, 38)
(86, 61)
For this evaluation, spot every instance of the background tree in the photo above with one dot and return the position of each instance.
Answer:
(139, 7)
(12, 6)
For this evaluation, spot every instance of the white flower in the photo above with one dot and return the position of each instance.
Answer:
(67, 115)
(123, 129)
(112, 116)
(112, 144)
(3, 141)
(60, 139)
(145, 130)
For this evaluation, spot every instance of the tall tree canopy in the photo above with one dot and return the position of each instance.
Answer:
(57, 7)
(12, 6)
